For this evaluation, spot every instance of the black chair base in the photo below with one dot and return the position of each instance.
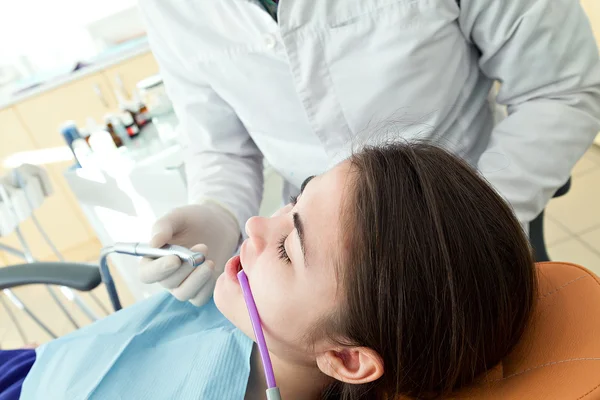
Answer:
(536, 229)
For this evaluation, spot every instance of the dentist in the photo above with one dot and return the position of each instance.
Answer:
(296, 83)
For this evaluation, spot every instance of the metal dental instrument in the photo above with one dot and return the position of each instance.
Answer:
(272, 389)
(142, 250)
(5, 198)
(145, 250)
(67, 292)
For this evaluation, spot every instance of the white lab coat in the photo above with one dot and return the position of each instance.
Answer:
(333, 73)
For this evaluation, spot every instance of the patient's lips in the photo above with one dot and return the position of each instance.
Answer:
(233, 266)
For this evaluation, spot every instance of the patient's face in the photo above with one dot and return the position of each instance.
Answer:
(294, 289)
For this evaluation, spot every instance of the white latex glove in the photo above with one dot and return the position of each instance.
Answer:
(208, 228)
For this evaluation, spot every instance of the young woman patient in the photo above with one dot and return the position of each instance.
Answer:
(398, 272)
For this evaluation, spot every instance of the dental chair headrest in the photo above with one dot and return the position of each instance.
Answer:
(558, 356)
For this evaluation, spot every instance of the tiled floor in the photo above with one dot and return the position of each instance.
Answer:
(572, 224)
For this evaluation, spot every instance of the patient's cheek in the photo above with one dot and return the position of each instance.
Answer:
(219, 296)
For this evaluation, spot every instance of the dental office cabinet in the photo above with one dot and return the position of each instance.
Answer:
(29, 133)
(93, 208)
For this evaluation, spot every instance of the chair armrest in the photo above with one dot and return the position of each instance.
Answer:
(84, 277)
(563, 189)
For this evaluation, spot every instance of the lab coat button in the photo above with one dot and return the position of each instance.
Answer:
(270, 41)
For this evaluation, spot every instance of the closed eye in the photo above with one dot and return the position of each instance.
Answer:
(283, 255)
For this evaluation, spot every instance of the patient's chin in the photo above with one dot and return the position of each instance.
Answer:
(226, 300)
(220, 293)
(231, 304)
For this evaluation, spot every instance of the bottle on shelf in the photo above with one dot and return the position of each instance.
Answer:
(83, 153)
(119, 128)
(85, 134)
(134, 107)
(100, 140)
(110, 129)
(71, 135)
(69, 131)
(142, 114)
(151, 91)
(128, 120)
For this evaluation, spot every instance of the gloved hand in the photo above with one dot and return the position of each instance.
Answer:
(208, 228)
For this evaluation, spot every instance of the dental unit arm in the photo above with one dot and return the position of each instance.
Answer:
(142, 250)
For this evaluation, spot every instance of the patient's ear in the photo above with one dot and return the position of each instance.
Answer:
(354, 365)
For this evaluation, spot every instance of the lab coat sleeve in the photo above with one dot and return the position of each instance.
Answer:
(222, 162)
(545, 57)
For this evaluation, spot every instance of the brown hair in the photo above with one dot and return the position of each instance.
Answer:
(439, 278)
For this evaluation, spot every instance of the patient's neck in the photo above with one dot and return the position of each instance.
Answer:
(295, 381)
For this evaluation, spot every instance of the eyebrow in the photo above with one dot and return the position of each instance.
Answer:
(298, 222)
(306, 183)
(300, 229)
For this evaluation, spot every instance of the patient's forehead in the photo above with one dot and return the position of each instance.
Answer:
(322, 209)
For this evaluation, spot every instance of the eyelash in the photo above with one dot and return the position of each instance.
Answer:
(283, 255)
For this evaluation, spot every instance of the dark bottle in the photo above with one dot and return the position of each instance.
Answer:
(128, 119)
(111, 129)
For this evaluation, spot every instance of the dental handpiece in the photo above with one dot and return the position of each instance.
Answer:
(145, 250)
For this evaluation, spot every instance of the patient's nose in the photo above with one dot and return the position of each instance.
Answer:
(283, 210)
(256, 229)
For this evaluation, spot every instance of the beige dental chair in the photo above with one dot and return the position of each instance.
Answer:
(559, 354)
